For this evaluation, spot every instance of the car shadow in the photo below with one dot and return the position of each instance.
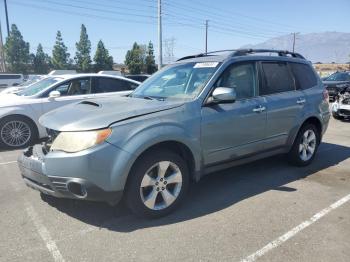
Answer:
(213, 193)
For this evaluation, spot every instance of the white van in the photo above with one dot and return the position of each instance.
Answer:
(10, 80)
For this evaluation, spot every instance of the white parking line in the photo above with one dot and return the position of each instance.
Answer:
(44, 233)
(280, 240)
(6, 163)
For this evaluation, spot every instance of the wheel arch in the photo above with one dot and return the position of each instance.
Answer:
(30, 120)
(310, 120)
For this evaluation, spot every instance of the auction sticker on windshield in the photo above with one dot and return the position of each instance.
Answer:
(206, 64)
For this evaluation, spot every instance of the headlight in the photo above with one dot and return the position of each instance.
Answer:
(335, 107)
(72, 142)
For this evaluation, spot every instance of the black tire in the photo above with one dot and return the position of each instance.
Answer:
(142, 165)
(33, 132)
(338, 117)
(294, 156)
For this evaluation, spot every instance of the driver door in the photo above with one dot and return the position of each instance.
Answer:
(234, 130)
(71, 91)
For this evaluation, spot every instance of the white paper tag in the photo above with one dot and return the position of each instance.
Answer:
(206, 64)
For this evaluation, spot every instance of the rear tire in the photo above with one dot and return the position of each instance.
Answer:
(336, 116)
(305, 146)
(157, 184)
(17, 132)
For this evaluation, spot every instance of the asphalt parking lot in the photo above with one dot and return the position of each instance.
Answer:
(264, 211)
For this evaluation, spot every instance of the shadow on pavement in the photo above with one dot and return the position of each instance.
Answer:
(213, 193)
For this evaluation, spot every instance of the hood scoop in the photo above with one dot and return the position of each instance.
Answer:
(90, 103)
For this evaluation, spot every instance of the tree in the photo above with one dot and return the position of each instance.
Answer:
(16, 52)
(41, 61)
(60, 56)
(134, 59)
(82, 55)
(102, 59)
(150, 63)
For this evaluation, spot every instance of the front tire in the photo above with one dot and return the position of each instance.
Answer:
(16, 132)
(305, 146)
(158, 183)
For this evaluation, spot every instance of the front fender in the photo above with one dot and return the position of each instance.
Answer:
(136, 138)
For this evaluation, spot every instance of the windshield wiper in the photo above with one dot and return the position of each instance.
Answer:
(150, 97)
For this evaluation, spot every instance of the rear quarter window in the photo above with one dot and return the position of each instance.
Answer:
(304, 76)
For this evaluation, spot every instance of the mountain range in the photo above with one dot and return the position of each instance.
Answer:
(325, 47)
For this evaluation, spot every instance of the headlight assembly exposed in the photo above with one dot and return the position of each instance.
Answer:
(72, 142)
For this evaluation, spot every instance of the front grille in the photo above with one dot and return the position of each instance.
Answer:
(344, 112)
(52, 134)
(346, 101)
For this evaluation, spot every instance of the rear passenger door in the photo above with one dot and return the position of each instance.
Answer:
(106, 86)
(285, 103)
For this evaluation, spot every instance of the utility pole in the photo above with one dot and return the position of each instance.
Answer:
(206, 35)
(2, 54)
(294, 40)
(160, 40)
(7, 19)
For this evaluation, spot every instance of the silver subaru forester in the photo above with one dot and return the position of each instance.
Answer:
(203, 113)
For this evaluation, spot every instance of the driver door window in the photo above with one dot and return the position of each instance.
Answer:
(241, 77)
(74, 87)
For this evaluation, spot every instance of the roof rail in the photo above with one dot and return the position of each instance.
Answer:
(242, 52)
(206, 54)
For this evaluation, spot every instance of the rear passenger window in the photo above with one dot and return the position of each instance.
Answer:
(304, 76)
(277, 78)
(106, 85)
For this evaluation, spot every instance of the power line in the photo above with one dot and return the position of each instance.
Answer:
(95, 9)
(219, 12)
(222, 20)
(13, 2)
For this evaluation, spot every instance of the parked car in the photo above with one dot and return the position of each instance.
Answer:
(198, 115)
(140, 78)
(336, 83)
(341, 105)
(20, 112)
(10, 80)
(14, 89)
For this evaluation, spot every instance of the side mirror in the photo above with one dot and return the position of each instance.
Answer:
(54, 94)
(222, 95)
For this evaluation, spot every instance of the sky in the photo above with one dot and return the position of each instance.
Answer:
(119, 23)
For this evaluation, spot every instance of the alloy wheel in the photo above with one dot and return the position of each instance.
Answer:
(161, 185)
(15, 133)
(307, 145)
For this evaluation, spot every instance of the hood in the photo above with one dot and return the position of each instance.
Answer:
(12, 90)
(100, 113)
(13, 100)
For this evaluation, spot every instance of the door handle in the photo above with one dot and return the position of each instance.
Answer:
(259, 109)
(301, 101)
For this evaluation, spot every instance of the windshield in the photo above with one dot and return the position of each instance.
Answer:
(182, 81)
(38, 86)
(339, 77)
